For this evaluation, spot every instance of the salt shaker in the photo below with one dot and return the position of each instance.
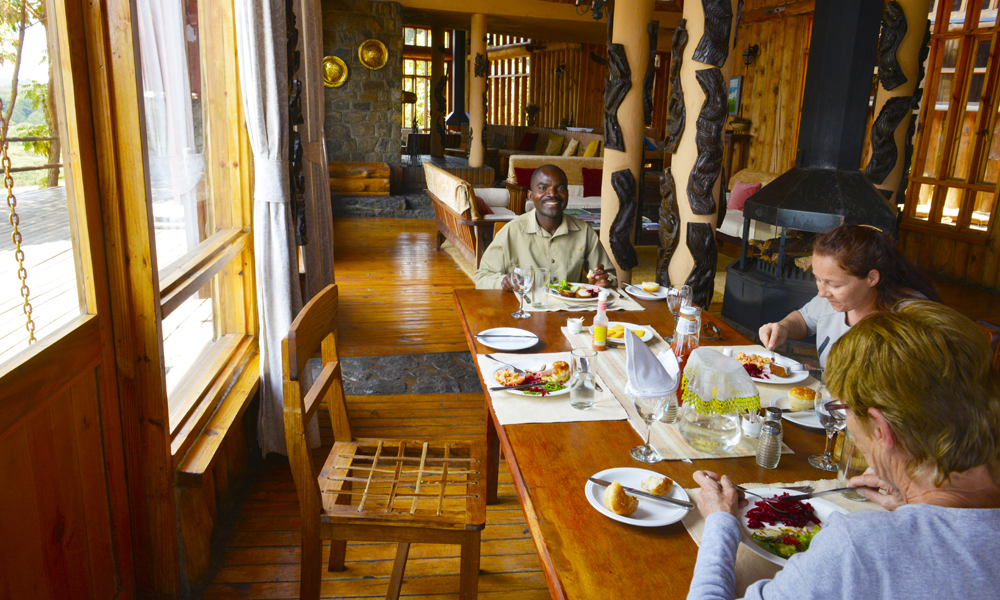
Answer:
(769, 442)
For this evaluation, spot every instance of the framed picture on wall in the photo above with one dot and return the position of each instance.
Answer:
(735, 91)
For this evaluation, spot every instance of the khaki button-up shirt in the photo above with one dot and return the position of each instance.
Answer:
(569, 253)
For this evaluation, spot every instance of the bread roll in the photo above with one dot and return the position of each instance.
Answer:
(650, 286)
(801, 398)
(618, 502)
(656, 485)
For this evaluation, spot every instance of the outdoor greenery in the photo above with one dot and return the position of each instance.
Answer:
(27, 104)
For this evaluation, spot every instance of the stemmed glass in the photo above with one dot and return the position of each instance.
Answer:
(523, 280)
(832, 416)
(651, 410)
(678, 297)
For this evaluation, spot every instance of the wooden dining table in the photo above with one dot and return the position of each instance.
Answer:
(583, 553)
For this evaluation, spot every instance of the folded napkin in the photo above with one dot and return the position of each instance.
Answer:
(649, 376)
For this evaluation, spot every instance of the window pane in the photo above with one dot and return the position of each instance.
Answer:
(924, 196)
(184, 92)
(952, 204)
(982, 210)
(992, 163)
(422, 37)
(42, 199)
(408, 35)
(187, 333)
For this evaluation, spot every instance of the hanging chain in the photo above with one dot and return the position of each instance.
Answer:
(15, 235)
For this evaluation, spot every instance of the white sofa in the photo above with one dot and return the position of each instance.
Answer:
(732, 224)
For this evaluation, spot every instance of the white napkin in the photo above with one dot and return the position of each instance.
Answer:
(649, 375)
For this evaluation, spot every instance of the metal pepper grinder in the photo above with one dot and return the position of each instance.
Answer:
(769, 442)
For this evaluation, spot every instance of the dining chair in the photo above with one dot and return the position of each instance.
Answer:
(381, 490)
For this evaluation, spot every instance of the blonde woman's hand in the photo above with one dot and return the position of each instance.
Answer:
(880, 492)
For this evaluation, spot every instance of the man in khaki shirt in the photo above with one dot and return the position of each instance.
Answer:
(545, 237)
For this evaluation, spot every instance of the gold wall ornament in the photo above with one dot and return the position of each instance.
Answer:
(373, 54)
(334, 71)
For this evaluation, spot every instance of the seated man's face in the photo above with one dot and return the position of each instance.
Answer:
(550, 193)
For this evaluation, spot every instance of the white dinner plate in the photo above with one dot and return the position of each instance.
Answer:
(795, 377)
(507, 343)
(527, 364)
(823, 508)
(651, 513)
(593, 288)
(646, 336)
(638, 292)
(805, 418)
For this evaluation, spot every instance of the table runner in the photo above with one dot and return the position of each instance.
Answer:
(665, 437)
(513, 409)
(749, 566)
(622, 302)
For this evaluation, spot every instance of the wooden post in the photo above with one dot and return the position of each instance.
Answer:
(706, 63)
(438, 83)
(630, 20)
(477, 87)
(899, 59)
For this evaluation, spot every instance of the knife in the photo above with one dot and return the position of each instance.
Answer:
(518, 387)
(683, 503)
(812, 494)
(501, 335)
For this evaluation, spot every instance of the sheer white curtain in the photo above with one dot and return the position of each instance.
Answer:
(175, 165)
(260, 45)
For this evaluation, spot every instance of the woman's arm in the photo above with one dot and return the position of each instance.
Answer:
(792, 327)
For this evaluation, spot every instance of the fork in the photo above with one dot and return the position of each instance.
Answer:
(802, 489)
(516, 370)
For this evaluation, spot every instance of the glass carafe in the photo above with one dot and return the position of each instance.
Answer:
(716, 389)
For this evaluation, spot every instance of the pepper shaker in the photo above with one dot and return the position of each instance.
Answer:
(769, 442)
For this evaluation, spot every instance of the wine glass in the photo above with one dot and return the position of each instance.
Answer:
(651, 410)
(523, 280)
(678, 296)
(833, 417)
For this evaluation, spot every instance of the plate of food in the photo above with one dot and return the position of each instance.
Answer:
(577, 292)
(617, 504)
(551, 380)
(616, 332)
(802, 402)
(508, 339)
(771, 368)
(775, 531)
(649, 290)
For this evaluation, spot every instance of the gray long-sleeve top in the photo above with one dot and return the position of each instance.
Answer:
(917, 552)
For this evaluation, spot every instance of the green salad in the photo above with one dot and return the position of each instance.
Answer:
(785, 541)
(563, 285)
(549, 387)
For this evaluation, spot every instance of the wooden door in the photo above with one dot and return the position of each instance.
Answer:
(64, 519)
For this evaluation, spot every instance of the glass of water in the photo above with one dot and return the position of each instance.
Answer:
(582, 383)
(678, 297)
(833, 417)
(540, 295)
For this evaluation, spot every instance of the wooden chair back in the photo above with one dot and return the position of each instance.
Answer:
(314, 329)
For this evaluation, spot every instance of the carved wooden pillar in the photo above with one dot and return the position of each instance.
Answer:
(479, 71)
(698, 108)
(439, 82)
(628, 57)
(903, 46)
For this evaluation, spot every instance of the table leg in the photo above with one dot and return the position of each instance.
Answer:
(492, 459)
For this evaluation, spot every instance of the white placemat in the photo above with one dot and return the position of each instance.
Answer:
(513, 409)
(749, 566)
(622, 301)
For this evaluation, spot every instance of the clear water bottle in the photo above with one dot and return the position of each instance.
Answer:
(769, 442)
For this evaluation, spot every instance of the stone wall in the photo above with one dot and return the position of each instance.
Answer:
(363, 115)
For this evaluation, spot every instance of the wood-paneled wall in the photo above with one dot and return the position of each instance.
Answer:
(508, 86)
(567, 82)
(772, 85)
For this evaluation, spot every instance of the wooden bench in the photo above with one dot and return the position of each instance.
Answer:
(359, 178)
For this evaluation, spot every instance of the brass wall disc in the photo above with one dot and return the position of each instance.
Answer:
(373, 54)
(334, 71)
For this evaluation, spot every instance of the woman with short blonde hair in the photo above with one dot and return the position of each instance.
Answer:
(923, 406)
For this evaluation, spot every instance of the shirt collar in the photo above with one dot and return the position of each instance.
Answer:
(564, 228)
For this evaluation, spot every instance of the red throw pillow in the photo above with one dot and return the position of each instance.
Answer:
(484, 209)
(523, 176)
(528, 143)
(741, 191)
(591, 181)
